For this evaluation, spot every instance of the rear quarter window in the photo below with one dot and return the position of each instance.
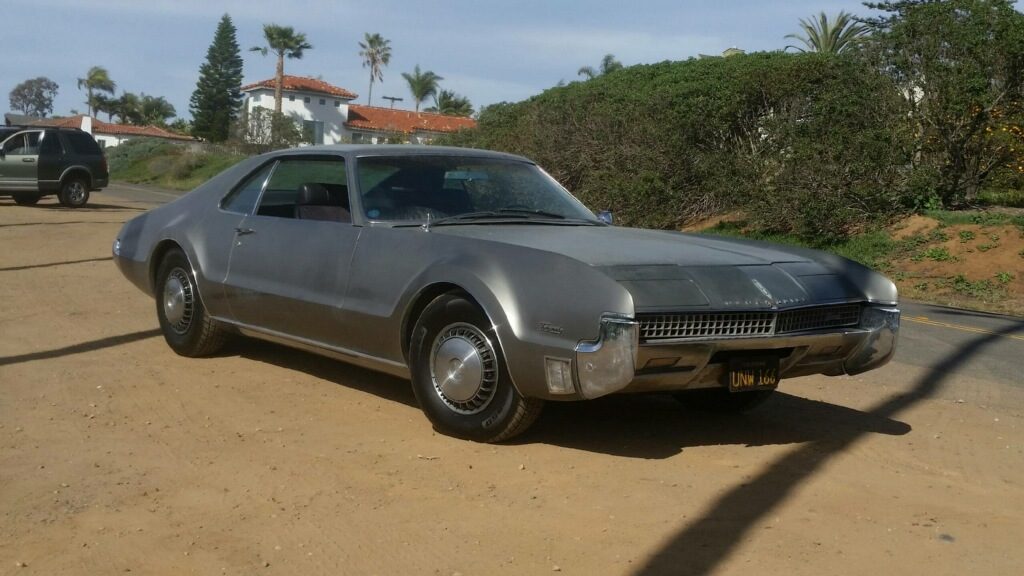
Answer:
(83, 143)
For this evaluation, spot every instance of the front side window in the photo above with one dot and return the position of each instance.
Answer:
(305, 181)
(421, 188)
(24, 144)
(243, 198)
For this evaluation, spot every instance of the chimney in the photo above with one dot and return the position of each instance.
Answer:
(87, 124)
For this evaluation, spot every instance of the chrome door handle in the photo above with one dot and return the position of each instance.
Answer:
(243, 231)
(28, 159)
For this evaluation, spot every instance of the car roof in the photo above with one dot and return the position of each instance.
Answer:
(393, 150)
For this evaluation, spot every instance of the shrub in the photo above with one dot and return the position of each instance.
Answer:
(809, 144)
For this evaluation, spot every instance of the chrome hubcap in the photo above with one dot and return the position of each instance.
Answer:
(178, 301)
(464, 368)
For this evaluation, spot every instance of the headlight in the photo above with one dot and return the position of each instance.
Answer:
(117, 247)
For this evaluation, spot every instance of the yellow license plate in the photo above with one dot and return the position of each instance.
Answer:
(755, 373)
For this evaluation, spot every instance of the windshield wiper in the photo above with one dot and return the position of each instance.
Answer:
(505, 213)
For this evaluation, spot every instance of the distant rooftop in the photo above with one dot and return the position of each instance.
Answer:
(303, 84)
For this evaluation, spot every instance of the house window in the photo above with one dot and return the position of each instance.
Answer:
(313, 131)
(322, 101)
(306, 100)
(357, 138)
(291, 97)
(337, 103)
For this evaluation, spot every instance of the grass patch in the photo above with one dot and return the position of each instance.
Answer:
(150, 161)
(1007, 197)
(954, 218)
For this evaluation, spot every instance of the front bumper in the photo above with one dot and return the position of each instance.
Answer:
(618, 362)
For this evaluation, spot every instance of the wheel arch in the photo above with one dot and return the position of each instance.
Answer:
(76, 171)
(420, 301)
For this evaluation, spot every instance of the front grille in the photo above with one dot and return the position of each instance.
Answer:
(817, 318)
(745, 324)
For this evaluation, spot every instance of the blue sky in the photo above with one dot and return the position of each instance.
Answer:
(487, 50)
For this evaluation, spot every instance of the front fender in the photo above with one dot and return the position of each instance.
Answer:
(540, 304)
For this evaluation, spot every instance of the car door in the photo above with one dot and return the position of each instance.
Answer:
(19, 160)
(288, 274)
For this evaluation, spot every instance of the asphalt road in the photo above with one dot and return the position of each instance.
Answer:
(928, 336)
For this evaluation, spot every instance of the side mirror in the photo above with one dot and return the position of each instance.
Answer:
(606, 217)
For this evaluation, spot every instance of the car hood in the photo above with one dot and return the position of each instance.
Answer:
(677, 271)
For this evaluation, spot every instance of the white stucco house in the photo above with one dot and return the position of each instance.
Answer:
(329, 115)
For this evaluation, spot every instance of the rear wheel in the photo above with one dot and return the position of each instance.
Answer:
(26, 199)
(74, 192)
(721, 400)
(187, 328)
(460, 377)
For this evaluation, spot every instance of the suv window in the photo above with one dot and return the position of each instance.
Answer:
(51, 145)
(24, 144)
(83, 143)
(243, 198)
(282, 193)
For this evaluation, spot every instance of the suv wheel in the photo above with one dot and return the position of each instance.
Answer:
(74, 192)
(26, 199)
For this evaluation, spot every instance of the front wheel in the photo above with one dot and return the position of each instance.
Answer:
(459, 374)
(26, 199)
(187, 328)
(74, 192)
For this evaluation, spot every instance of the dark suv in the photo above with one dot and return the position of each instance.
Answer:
(38, 161)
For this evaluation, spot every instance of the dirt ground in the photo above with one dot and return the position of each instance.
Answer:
(118, 456)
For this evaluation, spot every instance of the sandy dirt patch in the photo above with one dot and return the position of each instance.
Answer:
(117, 456)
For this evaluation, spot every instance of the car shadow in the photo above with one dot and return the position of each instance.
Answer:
(646, 426)
(367, 381)
(656, 426)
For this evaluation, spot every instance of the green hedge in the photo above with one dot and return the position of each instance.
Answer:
(813, 145)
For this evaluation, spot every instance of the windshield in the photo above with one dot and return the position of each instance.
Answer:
(459, 189)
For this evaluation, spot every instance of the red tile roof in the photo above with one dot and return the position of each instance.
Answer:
(404, 121)
(101, 127)
(303, 84)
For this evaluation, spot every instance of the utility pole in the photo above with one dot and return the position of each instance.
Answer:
(393, 99)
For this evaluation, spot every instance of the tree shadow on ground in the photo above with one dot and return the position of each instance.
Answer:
(61, 223)
(52, 264)
(91, 346)
(700, 546)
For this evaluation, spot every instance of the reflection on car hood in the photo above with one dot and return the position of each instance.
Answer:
(613, 246)
(675, 271)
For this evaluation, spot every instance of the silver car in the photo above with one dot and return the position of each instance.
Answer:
(478, 277)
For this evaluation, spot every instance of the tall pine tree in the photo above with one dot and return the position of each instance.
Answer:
(215, 102)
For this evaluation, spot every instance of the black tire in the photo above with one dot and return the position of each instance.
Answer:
(721, 400)
(26, 199)
(74, 192)
(187, 328)
(482, 405)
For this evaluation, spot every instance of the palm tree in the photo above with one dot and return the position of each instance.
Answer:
(452, 104)
(608, 64)
(422, 84)
(376, 53)
(284, 42)
(97, 79)
(829, 37)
